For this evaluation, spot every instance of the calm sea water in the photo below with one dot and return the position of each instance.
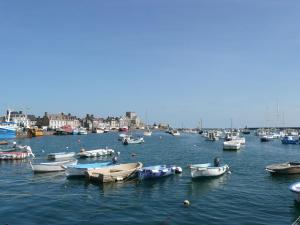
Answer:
(248, 195)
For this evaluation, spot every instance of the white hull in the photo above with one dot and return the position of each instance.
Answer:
(147, 133)
(231, 145)
(61, 155)
(197, 172)
(96, 153)
(51, 167)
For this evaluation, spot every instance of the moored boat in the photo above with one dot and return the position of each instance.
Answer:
(284, 168)
(8, 129)
(17, 155)
(151, 172)
(61, 155)
(208, 170)
(131, 140)
(289, 139)
(79, 170)
(231, 145)
(116, 173)
(52, 166)
(266, 138)
(95, 153)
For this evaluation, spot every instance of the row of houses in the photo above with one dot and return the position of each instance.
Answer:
(54, 121)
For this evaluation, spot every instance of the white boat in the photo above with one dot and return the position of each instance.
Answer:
(211, 136)
(231, 145)
(52, 166)
(131, 140)
(82, 131)
(99, 130)
(147, 132)
(95, 153)
(61, 155)
(80, 170)
(175, 133)
(208, 170)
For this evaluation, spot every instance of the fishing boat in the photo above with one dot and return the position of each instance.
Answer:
(295, 188)
(52, 166)
(8, 155)
(35, 132)
(231, 145)
(79, 170)
(95, 153)
(284, 168)
(151, 172)
(116, 173)
(131, 140)
(8, 129)
(208, 170)
(61, 155)
(289, 139)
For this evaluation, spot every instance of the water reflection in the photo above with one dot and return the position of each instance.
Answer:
(200, 187)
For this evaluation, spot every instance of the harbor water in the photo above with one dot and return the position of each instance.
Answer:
(247, 195)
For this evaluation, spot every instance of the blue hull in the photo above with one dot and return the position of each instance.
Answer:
(155, 172)
(5, 134)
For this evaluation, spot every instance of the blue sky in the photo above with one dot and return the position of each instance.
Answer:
(179, 61)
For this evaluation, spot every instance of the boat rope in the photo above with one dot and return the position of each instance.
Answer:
(297, 221)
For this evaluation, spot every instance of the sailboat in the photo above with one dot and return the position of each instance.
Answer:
(147, 131)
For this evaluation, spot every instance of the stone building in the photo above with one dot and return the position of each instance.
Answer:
(54, 121)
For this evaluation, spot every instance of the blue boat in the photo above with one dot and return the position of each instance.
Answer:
(79, 170)
(157, 171)
(290, 140)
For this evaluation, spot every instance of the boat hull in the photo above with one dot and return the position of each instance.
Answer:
(155, 172)
(61, 155)
(284, 168)
(52, 167)
(80, 170)
(205, 172)
(7, 133)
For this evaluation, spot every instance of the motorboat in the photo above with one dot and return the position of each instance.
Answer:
(207, 170)
(52, 166)
(231, 145)
(131, 140)
(284, 168)
(266, 138)
(289, 139)
(61, 155)
(157, 171)
(147, 132)
(95, 153)
(119, 172)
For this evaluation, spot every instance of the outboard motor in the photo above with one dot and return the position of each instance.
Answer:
(114, 159)
(217, 162)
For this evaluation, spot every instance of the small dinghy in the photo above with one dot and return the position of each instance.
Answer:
(61, 155)
(52, 166)
(208, 170)
(116, 173)
(284, 168)
(79, 170)
(158, 171)
(295, 188)
(95, 153)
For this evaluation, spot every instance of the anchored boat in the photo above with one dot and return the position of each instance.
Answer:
(61, 155)
(116, 173)
(52, 166)
(95, 153)
(158, 171)
(208, 170)
(284, 168)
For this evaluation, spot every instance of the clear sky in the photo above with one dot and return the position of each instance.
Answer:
(178, 60)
